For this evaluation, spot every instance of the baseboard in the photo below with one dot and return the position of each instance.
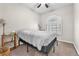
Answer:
(65, 41)
(71, 43)
(76, 48)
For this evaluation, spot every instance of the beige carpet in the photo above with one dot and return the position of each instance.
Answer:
(63, 49)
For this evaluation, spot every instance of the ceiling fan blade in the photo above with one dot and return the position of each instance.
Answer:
(38, 5)
(46, 5)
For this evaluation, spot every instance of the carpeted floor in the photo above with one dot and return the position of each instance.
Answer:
(63, 49)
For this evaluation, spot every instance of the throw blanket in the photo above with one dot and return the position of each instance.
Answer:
(37, 38)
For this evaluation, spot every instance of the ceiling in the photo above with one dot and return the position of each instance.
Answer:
(43, 9)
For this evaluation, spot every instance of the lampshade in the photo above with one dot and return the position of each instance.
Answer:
(2, 21)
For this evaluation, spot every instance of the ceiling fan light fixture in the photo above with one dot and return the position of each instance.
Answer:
(39, 5)
(46, 5)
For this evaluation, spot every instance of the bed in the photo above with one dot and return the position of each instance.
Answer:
(41, 40)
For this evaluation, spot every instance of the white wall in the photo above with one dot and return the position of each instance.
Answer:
(66, 14)
(76, 27)
(18, 17)
(1, 10)
(1, 16)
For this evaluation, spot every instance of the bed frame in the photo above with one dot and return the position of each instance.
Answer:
(45, 49)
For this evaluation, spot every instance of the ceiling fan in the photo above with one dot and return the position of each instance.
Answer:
(46, 5)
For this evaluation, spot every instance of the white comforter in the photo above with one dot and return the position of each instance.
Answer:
(37, 38)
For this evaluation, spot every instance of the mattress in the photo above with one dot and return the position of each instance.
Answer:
(37, 38)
